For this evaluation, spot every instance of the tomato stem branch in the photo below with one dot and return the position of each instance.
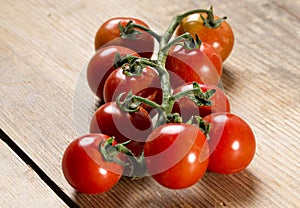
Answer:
(199, 97)
(165, 109)
(148, 30)
(164, 45)
(175, 41)
(132, 102)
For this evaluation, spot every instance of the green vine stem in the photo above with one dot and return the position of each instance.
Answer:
(146, 29)
(135, 166)
(132, 67)
(135, 65)
(164, 45)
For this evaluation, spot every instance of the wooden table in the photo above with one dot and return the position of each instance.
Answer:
(44, 48)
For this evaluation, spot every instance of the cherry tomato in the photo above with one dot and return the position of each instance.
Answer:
(187, 108)
(102, 64)
(111, 120)
(109, 34)
(85, 168)
(117, 82)
(221, 38)
(176, 155)
(192, 65)
(213, 55)
(232, 143)
(151, 93)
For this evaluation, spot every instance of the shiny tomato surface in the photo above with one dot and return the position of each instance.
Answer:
(85, 168)
(109, 34)
(176, 155)
(232, 143)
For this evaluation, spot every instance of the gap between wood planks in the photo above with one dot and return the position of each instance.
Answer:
(12, 145)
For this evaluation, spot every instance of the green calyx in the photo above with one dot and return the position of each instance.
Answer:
(199, 122)
(110, 152)
(191, 43)
(135, 166)
(210, 20)
(129, 31)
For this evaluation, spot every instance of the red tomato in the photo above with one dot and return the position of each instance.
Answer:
(232, 143)
(213, 55)
(151, 93)
(192, 65)
(117, 83)
(176, 155)
(85, 168)
(102, 64)
(109, 34)
(187, 108)
(111, 120)
(221, 38)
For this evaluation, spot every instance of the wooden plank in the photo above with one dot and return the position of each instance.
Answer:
(20, 186)
(46, 44)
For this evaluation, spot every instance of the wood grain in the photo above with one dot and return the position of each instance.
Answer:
(24, 187)
(44, 48)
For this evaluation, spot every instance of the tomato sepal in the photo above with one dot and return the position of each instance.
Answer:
(199, 97)
(201, 123)
(128, 31)
(120, 154)
(210, 21)
(110, 151)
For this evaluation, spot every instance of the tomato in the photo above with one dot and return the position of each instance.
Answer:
(117, 83)
(176, 155)
(85, 168)
(102, 64)
(232, 143)
(109, 34)
(214, 56)
(221, 38)
(192, 65)
(151, 93)
(187, 108)
(111, 120)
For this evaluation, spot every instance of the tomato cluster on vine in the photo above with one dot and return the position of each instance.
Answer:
(161, 114)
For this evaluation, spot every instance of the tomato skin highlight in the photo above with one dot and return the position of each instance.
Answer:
(232, 143)
(190, 65)
(109, 34)
(187, 108)
(85, 168)
(221, 38)
(176, 155)
(214, 56)
(111, 120)
(101, 65)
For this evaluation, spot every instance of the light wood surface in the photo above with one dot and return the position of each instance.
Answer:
(44, 48)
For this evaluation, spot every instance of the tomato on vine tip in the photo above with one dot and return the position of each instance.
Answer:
(176, 155)
(187, 108)
(118, 82)
(202, 65)
(109, 33)
(232, 143)
(84, 167)
(101, 65)
(111, 120)
(221, 37)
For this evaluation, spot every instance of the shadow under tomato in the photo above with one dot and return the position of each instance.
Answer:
(228, 80)
(213, 190)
